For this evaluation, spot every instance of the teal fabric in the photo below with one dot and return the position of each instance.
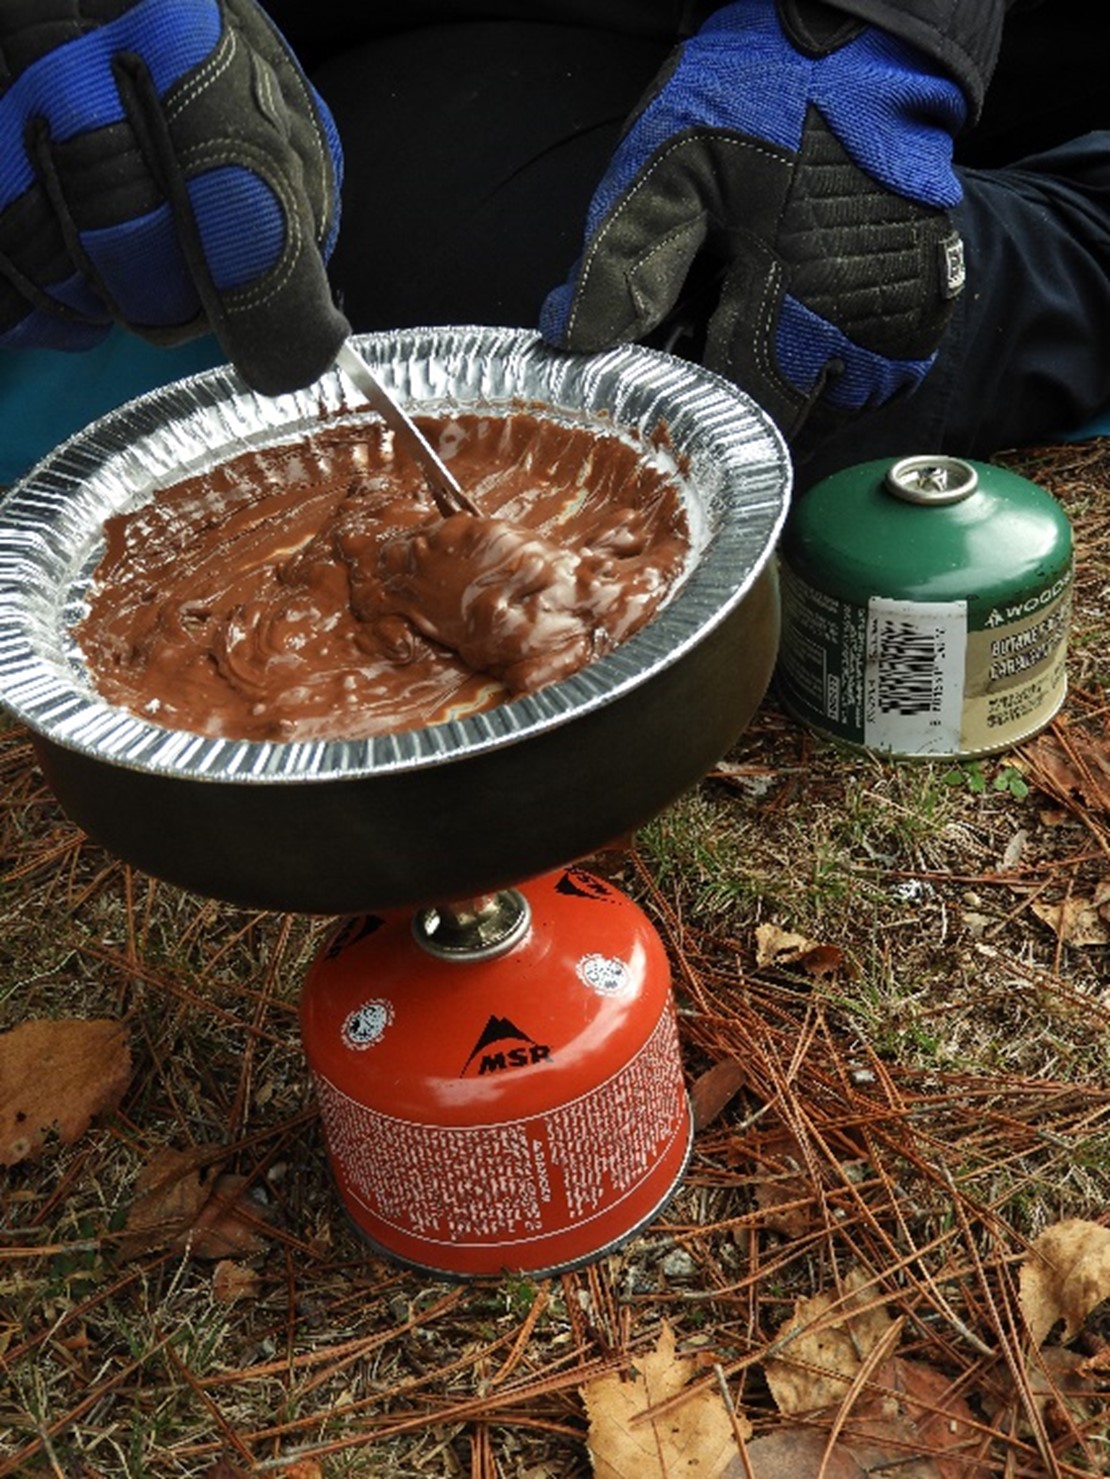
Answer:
(48, 394)
(1099, 427)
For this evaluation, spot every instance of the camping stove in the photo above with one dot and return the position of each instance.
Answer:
(499, 1079)
(499, 1074)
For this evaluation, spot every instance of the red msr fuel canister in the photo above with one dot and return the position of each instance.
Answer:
(500, 1083)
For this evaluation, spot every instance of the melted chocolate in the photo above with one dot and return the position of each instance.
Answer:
(312, 590)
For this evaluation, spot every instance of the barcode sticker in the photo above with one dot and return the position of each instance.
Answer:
(914, 676)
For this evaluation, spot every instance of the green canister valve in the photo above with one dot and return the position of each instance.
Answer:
(935, 480)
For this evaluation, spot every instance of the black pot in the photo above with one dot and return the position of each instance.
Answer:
(441, 813)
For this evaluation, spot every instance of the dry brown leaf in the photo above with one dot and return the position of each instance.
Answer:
(1076, 921)
(694, 1438)
(787, 1204)
(797, 1452)
(817, 1366)
(775, 946)
(1080, 769)
(1062, 1379)
(1066, 1391)
(1065, 1275)
(906, 1421)
(173, 1186)
(714, 1090)
(912, 1402)
(232, 1281)
(184, 1202)
(228, 1225)
(1050, 766)
(1097, 1365)
(822, 961)
(58, 1076)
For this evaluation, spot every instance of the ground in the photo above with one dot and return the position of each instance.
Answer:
(891, 980)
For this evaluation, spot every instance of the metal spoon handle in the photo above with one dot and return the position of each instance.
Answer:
(449, 497)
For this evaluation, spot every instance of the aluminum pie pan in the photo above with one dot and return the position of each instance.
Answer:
(51, 535)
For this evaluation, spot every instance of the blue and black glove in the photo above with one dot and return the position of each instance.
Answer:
(788, 178)
(165, 165)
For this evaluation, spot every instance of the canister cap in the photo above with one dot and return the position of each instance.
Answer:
(476, 929)
(932, 479)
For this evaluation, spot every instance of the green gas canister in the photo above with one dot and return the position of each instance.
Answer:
(926, 605)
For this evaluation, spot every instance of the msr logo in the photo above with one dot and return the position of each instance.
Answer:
(350, 932)
(579, 884)
(494, 1054)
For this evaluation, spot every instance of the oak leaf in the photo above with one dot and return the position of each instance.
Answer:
(1069, 763)
(907, 1420)
(906, 1417)
(910, 1407)
(58, 1076)
(695, 1437)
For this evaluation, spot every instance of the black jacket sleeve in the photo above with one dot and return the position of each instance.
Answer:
(963, 36)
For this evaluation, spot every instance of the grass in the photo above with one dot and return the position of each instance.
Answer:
(927, 1098)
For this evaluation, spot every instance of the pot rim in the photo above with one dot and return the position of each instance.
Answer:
(51, 538)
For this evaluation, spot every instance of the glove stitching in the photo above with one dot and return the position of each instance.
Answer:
(219, 152)
(762, 344)
(205, 76)
(762, 339)
(218, 63)
(308, 100)
(660, 245)
(210, 73)
(308, 107)
(267, 88)
(699, 138)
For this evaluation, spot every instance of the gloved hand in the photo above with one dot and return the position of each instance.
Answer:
(168, 168)
(797, 166)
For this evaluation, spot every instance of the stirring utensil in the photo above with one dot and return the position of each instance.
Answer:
(448, 495)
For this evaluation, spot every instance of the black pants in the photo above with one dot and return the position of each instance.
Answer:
(473, 148)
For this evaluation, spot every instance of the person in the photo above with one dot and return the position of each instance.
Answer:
(889, 223)
(167, 176)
